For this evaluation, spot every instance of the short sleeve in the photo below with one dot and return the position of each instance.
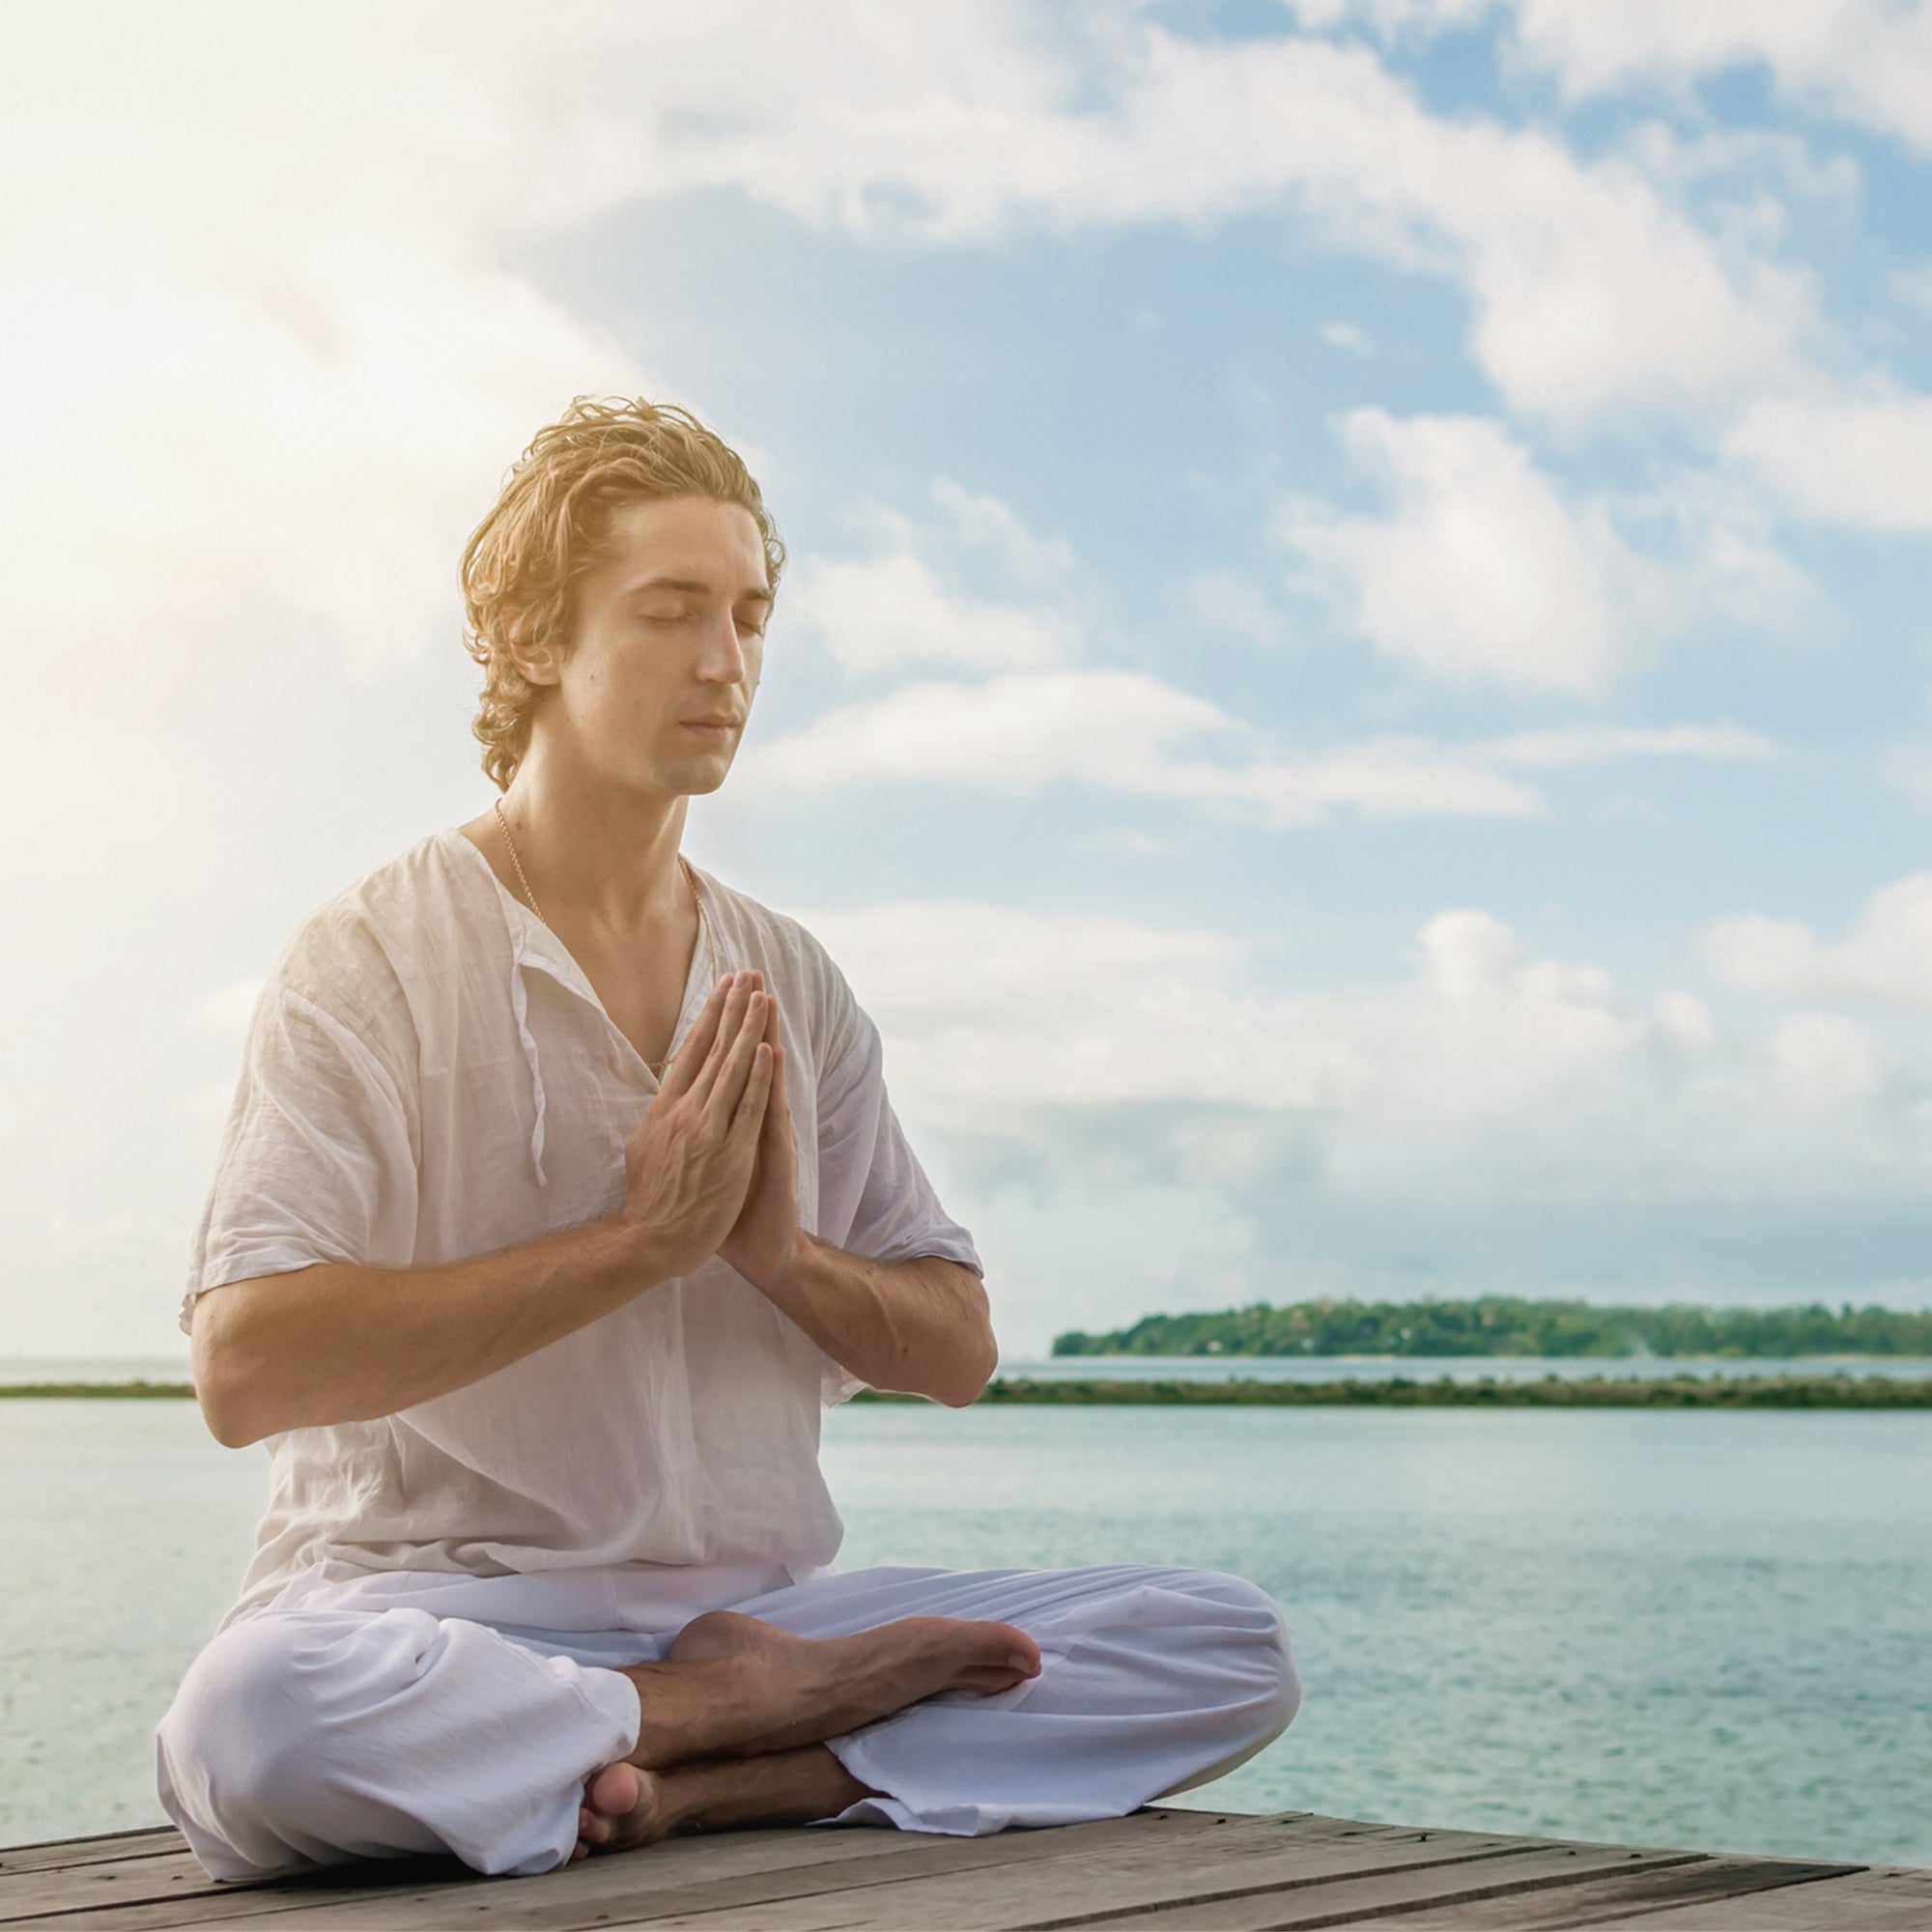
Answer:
(873, 1197)
(317, 1160)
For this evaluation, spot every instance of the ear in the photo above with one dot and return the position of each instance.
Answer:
(538, 662)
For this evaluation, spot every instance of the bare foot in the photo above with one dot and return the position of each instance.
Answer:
(621, 1808)
(624, 1806)
(838, 1683)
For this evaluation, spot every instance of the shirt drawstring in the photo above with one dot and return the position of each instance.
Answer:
(520, 1005)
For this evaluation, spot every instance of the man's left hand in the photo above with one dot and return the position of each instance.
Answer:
(766, 1234)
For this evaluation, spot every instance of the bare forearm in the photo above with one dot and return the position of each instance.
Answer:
(921, 1327)
(346, 1344)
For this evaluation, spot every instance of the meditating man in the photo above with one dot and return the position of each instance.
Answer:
(559, 1193)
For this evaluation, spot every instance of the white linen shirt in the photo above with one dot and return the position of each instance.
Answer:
(428, 1077)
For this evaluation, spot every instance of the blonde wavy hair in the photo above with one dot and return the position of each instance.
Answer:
(551, 527)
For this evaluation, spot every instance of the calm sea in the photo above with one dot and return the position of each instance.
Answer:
(1691, 1628)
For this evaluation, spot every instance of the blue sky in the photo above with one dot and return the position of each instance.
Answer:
(1354, 692)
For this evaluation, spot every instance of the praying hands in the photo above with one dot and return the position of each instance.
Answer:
(764, 1241)
(713, 1167)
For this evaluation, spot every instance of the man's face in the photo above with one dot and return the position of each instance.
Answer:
(670, 633)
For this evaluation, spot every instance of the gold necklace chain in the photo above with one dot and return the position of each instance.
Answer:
(697, 899)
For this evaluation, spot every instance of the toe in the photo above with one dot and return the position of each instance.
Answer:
(613, 1793)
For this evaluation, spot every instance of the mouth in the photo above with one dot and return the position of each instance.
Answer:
(708, 727)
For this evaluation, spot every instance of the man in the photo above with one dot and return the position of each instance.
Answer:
(559, 1192)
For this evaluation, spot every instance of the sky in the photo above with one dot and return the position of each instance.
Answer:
(1354, 688)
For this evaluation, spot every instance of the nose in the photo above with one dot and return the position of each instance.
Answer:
(723, 660)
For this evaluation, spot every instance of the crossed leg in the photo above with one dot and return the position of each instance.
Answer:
(309, 1735)
(732, 1720)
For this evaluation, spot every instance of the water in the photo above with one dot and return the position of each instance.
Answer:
(1703, 1628)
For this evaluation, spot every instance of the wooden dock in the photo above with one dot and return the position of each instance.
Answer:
(1170, 1869)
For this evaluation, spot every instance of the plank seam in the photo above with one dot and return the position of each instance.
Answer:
(1356, 1915)
(1623, 1916)
(1219, 1897)
(211, 1888)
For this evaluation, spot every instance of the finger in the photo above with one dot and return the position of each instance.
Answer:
(690, 1058)
(728, 1084)
(730, 1022)
(777, 1115)
(750, 1117)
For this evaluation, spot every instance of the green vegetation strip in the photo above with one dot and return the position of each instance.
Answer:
(92, 1391)
(1551, 1392)
(1499, 1324)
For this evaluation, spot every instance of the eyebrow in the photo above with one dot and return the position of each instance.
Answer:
(697, 587)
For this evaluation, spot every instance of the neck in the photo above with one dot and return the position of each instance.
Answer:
(594, 850)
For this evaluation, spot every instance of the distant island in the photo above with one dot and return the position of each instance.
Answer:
(1832, 1391)
(1503, 1325)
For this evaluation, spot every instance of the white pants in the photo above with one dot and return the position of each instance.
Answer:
(312, 1734)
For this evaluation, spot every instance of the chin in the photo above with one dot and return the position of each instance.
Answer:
(701, 776)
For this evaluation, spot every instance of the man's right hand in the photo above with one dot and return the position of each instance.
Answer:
(690, 1164)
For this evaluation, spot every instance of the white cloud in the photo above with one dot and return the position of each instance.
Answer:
(1737, 159)
(982, 524)
(1129, 733)
(992, 1008)
(308, 360)
(1869, 61)
(1488, 1073)
(1826, 1062)
(1886, 958)
(1592, 293)
(899, 605)
(273, 335)
(1347, 335)
(1482, 569)
(1843, 458)
(1123, 731)
(253, 363)
(1568, 745)
(1387, 778)
(1013, 734)
(1479, 570)
(888, 611)
(1909, 769)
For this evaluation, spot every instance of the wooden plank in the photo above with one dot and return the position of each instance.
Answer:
(166, 1874)
(675, 1876)
(1523, 1867)
(443, 1891)
(1175, 1869)
(1887, 1899)
(1638, 1896)
(1244, 1859)
(57, 1853)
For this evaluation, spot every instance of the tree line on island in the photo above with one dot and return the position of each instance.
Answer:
(1496, 1324)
